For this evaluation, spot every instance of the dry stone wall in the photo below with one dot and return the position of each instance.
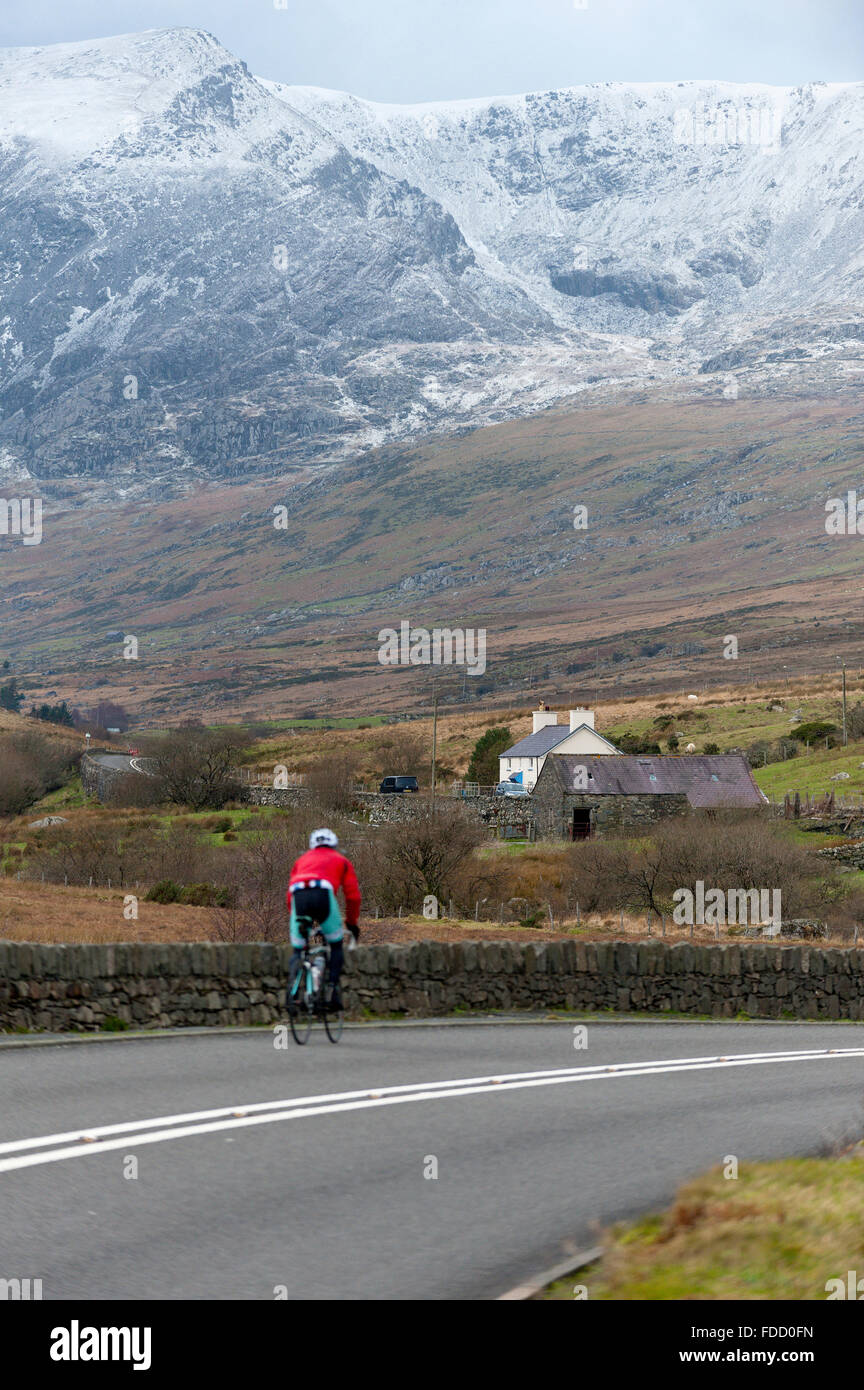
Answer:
(88, 988)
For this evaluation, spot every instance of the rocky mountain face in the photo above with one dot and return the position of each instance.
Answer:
(206, 276)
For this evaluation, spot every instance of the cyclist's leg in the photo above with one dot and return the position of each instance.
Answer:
(294, 965)
(296, 925)
(337, 960)
(333, 932)
(298, 928)
(331, 925)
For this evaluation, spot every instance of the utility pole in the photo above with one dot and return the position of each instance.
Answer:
(844, 704)
(434, 739)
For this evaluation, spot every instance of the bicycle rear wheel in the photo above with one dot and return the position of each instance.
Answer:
(333, 1023)
(299, 1011)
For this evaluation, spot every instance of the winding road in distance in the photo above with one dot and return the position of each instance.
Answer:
(325, 1196)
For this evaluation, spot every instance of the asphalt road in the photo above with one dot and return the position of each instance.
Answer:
(335, 1205)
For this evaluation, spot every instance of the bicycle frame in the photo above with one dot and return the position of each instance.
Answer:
(311, 954)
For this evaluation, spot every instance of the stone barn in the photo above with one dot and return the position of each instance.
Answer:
(577, 796)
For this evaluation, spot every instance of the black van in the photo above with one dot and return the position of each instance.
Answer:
(399, 784)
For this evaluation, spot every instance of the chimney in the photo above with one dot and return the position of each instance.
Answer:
(581, 716)
(543, 718)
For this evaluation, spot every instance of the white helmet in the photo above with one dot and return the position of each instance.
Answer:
(322, 837)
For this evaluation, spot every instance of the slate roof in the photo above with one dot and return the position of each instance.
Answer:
(535, 745)
(707, 779)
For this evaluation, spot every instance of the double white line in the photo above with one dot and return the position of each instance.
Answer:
(55, 1148)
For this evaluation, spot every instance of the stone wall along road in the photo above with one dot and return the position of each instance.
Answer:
(89, 988)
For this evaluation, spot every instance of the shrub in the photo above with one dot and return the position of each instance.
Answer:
(204, 895)
(112, 1024)
(814, 731)
(636, 743)
(165, 891)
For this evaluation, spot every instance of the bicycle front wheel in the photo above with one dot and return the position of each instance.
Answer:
(300, 1012)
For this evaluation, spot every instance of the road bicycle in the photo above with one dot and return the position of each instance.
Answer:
(307, 997)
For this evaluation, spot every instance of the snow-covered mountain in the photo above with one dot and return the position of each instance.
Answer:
(204, 274)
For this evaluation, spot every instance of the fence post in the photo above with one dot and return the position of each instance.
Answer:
(477, 911)
(578, 919)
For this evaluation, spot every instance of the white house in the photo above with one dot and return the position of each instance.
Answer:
(524, 761)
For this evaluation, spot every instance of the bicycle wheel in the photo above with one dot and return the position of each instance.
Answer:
(333, 1023)
(299, 1011)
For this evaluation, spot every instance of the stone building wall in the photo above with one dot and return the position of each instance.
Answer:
(553, 810)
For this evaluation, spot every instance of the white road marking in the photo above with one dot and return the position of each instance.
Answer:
(96, 1138)
(91, 1132)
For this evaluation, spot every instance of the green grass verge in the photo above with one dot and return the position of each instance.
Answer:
(779, 1230)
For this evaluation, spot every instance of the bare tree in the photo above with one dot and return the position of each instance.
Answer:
(429, 850)
(330, 782)
(197, 766)
(32, 764)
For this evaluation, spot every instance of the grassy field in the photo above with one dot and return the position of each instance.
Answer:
(812, 772)
(778, 1231)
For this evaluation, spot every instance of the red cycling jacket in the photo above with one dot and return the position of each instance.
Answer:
(336, 870)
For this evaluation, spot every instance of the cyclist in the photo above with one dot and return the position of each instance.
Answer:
(315, 880)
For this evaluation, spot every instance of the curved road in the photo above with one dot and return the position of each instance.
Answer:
(334, 1203)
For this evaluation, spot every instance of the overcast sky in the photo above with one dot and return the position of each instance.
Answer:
(424, 50)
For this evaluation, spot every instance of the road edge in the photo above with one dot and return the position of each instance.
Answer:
(538, 1282)
(10, 1041)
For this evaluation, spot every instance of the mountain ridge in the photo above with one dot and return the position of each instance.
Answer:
(517, 252)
